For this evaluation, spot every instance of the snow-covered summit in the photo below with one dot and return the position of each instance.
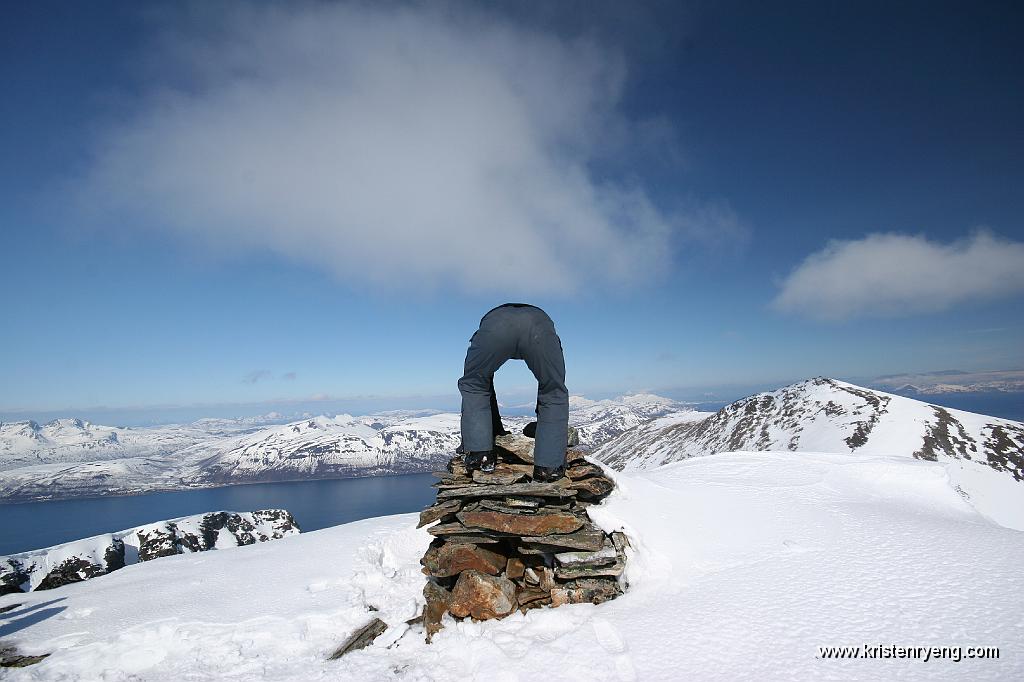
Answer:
(983, 455)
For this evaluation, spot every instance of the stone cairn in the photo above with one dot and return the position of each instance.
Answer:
(504, 542)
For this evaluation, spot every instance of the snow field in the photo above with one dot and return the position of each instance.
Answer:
(742, 565)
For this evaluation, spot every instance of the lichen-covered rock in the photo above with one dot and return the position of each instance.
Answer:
(482, 596)
(585, 591)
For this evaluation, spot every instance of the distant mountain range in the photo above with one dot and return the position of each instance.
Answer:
(984, 456)
(74, 458)
(952, 381)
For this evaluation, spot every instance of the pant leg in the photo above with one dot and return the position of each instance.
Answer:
(496, 426)
(543, 355)
(488, 350)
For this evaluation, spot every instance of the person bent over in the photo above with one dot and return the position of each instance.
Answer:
(515, 331)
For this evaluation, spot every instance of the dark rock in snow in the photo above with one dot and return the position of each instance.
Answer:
(361, 638)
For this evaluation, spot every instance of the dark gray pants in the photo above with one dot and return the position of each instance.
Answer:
(520, 332)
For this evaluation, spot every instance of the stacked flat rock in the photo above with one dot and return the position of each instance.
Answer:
(503, 542)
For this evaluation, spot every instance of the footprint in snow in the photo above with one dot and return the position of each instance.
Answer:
(611, 641)
(795, 547)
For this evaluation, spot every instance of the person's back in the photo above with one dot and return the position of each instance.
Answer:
(523, 332)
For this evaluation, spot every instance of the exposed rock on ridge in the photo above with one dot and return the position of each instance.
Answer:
(73, 562)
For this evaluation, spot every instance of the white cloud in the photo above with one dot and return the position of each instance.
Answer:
(896, 274)
(406, 147)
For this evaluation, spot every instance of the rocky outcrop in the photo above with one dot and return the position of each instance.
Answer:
(74, 562)
(504, 542)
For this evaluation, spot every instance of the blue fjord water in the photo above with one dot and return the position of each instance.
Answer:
(314, 504)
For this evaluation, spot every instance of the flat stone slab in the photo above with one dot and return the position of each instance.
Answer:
(516, 489)
(448, 531)
(589, 538)
(602, 557)
(431, 514)
(583, 469)
(522, 524)
(502, 475)
(588, 571)
(523, 502)
(595, 487)
(515, 445)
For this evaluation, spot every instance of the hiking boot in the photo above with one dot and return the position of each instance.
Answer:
(548, 474)
(484, 461)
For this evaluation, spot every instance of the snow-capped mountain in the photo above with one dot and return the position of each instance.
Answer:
(984, 456)
(325, 447)
(28, 443)
(50, 463)
(599, 421)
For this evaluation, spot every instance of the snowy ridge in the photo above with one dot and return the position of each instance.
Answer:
(742, 565)
(224, 452)
(984, 456)
(69, 441)
(98, 555)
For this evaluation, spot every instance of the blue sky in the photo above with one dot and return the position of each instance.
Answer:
(251, 204)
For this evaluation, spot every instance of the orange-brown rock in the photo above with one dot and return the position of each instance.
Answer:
(531, 594)
(515, 569)
(482, 596)
(574, 455)
(522, 524)
(583, 469)
(451, 558)
(503, 474)
(599, 486)
(437, 603)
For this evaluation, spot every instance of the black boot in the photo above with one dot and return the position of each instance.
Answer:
(547, 474)
(484, 461)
